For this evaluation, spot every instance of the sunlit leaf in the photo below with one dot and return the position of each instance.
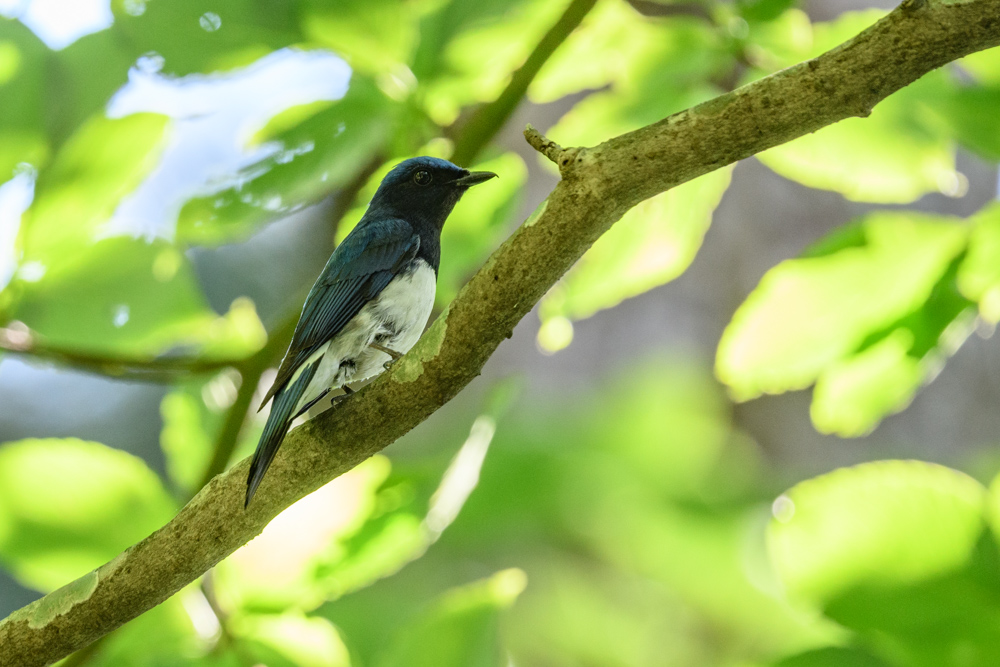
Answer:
(192, 417)
(882, 523)
(77, 194)
(68, 506)
(763, 10)
(897, 154)
(651, 245)
(891, 156)
(984, 65)
(610, 42)
(809, 317)
(308, 160)
(291, 640)
(673, 73)
(979, 274)
(461, 628)
(375, 38)
(181, 630)
(467, 51)
(134, 298)
(479, 223)
(276, 569)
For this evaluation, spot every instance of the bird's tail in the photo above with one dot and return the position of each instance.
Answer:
(282, 413)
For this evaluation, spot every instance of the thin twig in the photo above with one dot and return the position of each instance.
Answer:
(486, 121)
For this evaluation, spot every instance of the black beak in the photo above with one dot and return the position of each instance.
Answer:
(473, 178)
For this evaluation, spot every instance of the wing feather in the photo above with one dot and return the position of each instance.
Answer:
(359, 269)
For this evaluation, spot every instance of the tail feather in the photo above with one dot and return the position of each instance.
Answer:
(281, 416)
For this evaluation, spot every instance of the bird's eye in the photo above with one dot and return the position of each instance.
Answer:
(422, 177)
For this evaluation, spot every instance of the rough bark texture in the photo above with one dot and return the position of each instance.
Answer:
(599, 184)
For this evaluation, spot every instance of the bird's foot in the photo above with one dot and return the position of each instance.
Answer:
(337, 399)
(396, 356)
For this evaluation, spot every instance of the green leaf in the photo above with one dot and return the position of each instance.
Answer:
(898, 552)
(868, 315)
(68, 506)
(22, 93)
(983, 65)
(833, 656)
(971, 114)
(291, 639)
(887, 523)
(763, 10)
(610, 42)
(311, 159)
(896, 155)
(460, 629)
(479, 223)
(165, 635)
(192, 414)
(122, 296)
(194, 37)
(651, 245)
(374, 38)
(77, 194)
(672, 73)
(467, 51)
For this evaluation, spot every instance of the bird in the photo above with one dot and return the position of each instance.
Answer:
(372, 300)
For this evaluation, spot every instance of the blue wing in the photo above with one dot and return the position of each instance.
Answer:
(368, 259)
(358, 270)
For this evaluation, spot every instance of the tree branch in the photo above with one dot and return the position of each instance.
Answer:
(599, 184)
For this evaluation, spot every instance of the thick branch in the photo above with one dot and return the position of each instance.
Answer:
(599, 184)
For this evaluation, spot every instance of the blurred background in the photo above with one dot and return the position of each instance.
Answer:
(755, 425)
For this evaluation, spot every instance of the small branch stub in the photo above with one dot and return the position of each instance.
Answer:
(546, 147)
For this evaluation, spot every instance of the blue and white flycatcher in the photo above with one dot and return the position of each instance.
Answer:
(372, 300)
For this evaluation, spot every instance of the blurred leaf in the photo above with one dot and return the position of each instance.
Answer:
(375, 38)
(277, 569)
(77, 194)
(897, 154)
(479, 223)
(671, 73)
(191, 39)
(467, 51)
(164, 636)
(763, 10)
(192, 416)
(307, 161)
(892, 156)
(129, 297)
(22, 88)
(867, 315)
(85, 76)
(612, 39)
(833, 657)
(791, 38)
(291, 639)
(881, 523)
(460, 629)
(68, 506)
(983, 65)
(971, 114)
(651, 245)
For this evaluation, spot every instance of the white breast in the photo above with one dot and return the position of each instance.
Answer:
(395, 319)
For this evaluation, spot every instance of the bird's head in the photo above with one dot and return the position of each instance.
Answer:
(425, 189)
